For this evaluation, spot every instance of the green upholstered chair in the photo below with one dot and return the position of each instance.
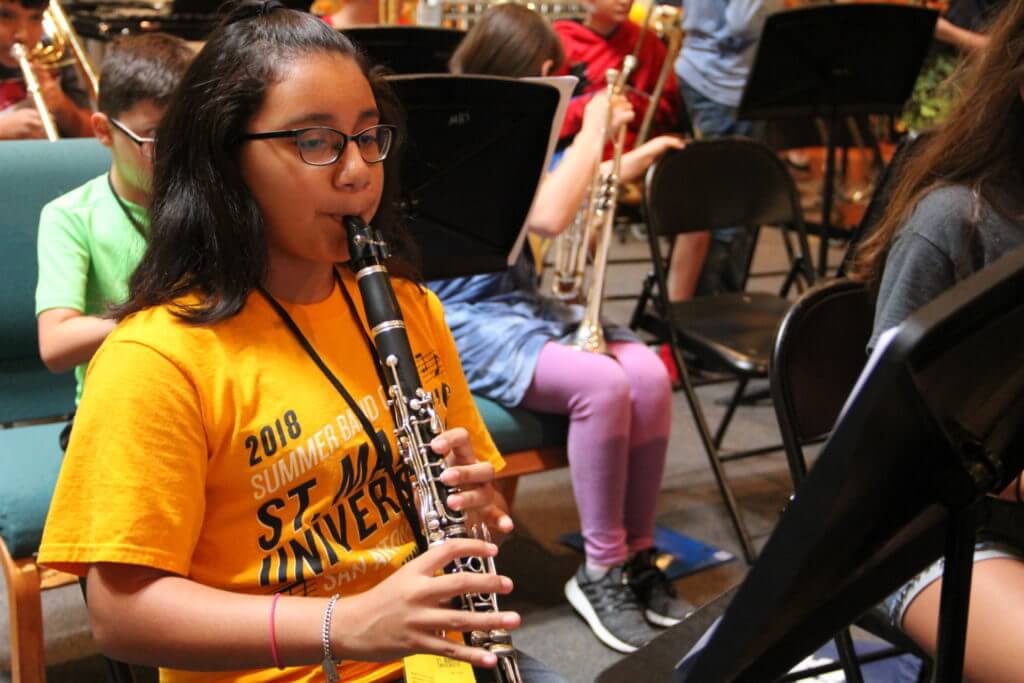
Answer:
(33, 402)
(530, 442)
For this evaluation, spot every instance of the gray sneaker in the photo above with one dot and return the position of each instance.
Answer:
(662, 606)
(610, 608)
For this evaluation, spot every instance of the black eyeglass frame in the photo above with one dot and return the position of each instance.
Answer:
(136, 138)
(294, 133)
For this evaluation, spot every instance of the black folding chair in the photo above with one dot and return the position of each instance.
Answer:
(716, 184)
(820, 350)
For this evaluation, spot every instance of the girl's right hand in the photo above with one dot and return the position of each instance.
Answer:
(595, 112)
(622, 114)
(407, 612)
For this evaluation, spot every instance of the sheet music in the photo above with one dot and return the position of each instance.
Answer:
(565, 86)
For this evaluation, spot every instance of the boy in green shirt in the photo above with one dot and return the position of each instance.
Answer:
(91, 239)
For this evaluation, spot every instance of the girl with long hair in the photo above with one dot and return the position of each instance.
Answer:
(619, 406)
(231, 489)
(957, 207)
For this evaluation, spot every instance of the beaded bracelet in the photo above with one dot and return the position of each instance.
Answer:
(330, 665)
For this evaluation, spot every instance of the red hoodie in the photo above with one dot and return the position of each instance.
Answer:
(590, 55)
(12, 89)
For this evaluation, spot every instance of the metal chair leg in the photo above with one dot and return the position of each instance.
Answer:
(713, 458)
(848, 657)
(729, 412)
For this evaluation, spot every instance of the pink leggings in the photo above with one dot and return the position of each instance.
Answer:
(620, 412)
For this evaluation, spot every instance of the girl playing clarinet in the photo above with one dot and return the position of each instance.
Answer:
(231, 490)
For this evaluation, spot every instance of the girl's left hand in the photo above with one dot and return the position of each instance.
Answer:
(476, 496)
(635, 162)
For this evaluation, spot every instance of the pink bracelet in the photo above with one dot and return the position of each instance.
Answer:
(273, 632)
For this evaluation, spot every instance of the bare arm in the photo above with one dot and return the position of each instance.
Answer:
(73, 121)
(143, 615)
(21, 124)
(968, 41)
(562, 191)
(1014, 492)
(68, 338)
(636, 161)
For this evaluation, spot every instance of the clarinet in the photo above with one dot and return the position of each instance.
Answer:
(416, 424)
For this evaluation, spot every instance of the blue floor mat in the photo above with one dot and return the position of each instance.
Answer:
(678, 554)
(904, 668)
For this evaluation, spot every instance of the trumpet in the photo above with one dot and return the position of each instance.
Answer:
(63, 48)
(595, 217)
(21, 53)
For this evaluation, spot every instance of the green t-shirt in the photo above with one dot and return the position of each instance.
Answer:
(87, 251)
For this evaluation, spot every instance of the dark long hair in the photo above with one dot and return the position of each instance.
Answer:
(508, 40)
(980, 146)
(207, 234)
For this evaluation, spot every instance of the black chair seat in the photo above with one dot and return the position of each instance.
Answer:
(734, 332)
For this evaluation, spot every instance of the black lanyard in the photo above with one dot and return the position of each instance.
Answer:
(124, 207)
(377, 365)
(402, 487)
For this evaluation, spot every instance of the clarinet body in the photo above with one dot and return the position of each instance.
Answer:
(416, 424)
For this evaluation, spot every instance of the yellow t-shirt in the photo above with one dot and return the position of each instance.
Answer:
(222, 453)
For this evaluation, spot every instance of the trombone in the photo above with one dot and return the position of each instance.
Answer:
(63, 48)
(667, 23)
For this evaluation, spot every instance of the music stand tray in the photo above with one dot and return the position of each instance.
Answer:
(935, 422)
(834, 61)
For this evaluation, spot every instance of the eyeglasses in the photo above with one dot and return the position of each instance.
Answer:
(146, 145)
(322, 146)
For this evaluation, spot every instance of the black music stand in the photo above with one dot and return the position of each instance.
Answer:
(936, 421)
(188, 19)
(835, 61)
(475, 154)
(407, 49)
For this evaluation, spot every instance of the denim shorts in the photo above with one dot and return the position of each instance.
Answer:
(897, 603)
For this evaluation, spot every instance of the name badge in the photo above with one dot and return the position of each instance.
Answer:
(437, 669)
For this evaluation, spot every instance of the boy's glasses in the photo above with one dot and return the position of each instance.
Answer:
(322, 146)
(146, 145)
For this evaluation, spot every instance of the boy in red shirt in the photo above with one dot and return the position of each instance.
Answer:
(602, 41)
(21, 21)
